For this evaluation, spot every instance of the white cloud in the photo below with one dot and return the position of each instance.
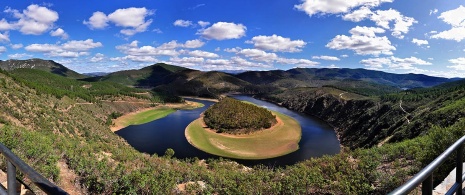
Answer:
(223, 30)
(70, 49)
(363, 41)
(5, 37)
(459, 64)
(233, 50)
(312, 7)
(182, 23)
(16, 46)
(19, 56)
(420, 42)
(186, 61)
(133, 20)
(332, 66)
(134, 59)
(2, 49)
(434, 11)
(393, 63)
(59, 33)
(358, 15)
(235, 63)
(157, 30)
(196, 43)
(455, 18)
(330, 58)
(383, 18)
(203, 24)
(4, 25)
(344, 56)
(97, 58)
(298, 62)
(203, 54)
(34, 20)
(258, 55)
(277, 43)
(166, 49)
(98, 20)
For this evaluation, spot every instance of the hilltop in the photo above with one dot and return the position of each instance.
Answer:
(45, 65)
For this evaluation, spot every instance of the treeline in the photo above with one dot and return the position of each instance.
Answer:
(47, 83)
(233, 116)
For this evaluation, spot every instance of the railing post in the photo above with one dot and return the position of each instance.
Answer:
(427, 185)
(459, 169)
(11, 178)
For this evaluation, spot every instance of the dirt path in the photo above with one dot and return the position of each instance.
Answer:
(68, 179)
(406, 116)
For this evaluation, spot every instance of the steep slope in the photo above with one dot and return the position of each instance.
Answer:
(45, 65)
(312, 77)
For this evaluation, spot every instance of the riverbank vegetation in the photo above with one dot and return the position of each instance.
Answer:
(236, 117)
(283, 138)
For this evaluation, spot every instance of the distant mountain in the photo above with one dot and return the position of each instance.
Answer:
(46, 65)
(96, 74)
(313, 77)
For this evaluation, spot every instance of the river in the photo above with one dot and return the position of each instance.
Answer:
(318, 138)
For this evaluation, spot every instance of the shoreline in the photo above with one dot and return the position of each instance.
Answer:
(174, 106)
(265, 144)
(201, 98)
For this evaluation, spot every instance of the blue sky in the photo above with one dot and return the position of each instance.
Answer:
(396, 36)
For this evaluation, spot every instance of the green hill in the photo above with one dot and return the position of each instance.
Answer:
(39, 64)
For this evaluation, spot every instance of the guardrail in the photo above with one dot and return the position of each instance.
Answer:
(38, 180)
(425, 176)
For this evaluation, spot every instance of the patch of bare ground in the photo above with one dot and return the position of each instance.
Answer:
(69, 179)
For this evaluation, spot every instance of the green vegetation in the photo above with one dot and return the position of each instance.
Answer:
(44, 127)
(150, 114)
(281, 139)
(233, 116)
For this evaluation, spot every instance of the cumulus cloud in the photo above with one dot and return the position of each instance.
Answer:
(459, 64)
(258, 55)
(312, 7)
(98, 20)
(19, 56)
(363, 41)
(277, 43)
(97, 58)
(186, 61)
(132, 20)
(234, 63)
(301, 63)
(393, 63)
(383, 18)
(223, 30)
(134, 59)
(59, 33)
(70, 49)
(16, 46)
(434, 11)
(182, 23)
(34, 20)
(2, 49)
(329, 58)
(134, 50)
(455, 18)
(4, 37)
(420, 42)
(196, 43)
(203, 54)
(203, 24)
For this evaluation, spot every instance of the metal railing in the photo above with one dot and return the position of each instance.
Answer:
(425, 176)
(38, 180)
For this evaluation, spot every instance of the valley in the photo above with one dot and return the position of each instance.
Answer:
(48, 118)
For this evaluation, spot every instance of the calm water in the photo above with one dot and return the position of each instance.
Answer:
(318, 138)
